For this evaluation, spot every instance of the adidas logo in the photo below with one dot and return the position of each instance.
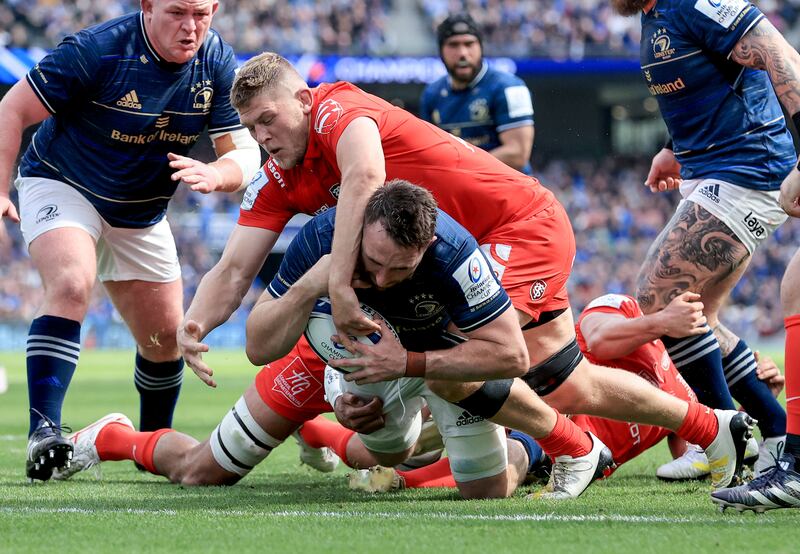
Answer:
(467, 418)
(130, 100)
(711, 192)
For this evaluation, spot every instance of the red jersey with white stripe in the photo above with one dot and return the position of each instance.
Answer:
(651, 362)
(476, 189)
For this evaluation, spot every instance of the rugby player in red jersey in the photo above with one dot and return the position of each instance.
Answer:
(336, 144)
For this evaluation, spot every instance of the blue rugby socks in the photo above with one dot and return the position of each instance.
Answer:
(54, 344)
(753, 393)
(159, 384)
(699, 361)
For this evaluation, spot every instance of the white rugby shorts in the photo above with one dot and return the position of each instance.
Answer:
(753, 215)
(476, 447)
(147, 254)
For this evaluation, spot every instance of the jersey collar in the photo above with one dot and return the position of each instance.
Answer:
(475, 81)
(151, 50)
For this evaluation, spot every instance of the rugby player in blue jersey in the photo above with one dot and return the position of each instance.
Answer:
(720, 72)
(121, 104)
(486, 107)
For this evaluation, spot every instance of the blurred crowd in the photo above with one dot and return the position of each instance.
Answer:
(614, 216)
(560, 29)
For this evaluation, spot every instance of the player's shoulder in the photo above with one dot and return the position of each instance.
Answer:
(614, 302)
(451, 238)
(502, 79)
(435, 87)
(111, 36)
(215, 47)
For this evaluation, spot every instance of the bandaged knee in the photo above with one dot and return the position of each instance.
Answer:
(238, 443)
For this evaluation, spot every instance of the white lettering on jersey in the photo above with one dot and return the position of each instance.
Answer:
(257, 183)
(608, 300)
(476, 279)
(722, 12)
(519, 102)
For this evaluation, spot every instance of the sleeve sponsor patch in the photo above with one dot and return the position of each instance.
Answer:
(476, 279)
(519, 102)
(608, 301)
(257, 183)
(722, 12)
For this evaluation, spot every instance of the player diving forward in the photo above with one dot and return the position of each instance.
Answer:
(418, 268)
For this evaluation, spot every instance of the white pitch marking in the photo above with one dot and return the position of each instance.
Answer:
(621, 518)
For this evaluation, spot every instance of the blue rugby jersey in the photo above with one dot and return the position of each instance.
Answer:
(494, 102)
(453, 282)
(724, 119)
(117, 109)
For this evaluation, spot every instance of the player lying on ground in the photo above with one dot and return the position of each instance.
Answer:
(612, 331)
(289, 393)
(413, 256)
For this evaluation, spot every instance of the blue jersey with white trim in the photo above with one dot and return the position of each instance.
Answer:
(118, 108)
(724, 119)
(453, 282)
(493, 102)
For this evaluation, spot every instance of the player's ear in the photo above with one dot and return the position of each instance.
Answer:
(147, 6)
(306, 99)
(214, 7)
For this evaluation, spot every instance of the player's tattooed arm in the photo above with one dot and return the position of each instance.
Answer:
(694, 252)
(763, 47)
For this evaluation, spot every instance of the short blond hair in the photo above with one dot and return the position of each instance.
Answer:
(260, 73)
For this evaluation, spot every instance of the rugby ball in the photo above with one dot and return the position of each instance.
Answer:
(320, 328)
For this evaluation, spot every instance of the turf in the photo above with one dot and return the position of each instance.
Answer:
(285, 507)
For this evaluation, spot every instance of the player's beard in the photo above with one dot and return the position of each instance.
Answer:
(474, 70)
(629, 7)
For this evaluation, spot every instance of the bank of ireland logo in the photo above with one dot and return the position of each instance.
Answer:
(47, 213)
(475, 270)
(538, 289)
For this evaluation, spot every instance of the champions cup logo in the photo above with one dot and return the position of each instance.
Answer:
(328, 116)
(475, 270)
(202, 99)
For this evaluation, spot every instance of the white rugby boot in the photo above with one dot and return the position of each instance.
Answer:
(85, 452)
(571, 476)
(322, 459)
(726, 452)
(693, 464)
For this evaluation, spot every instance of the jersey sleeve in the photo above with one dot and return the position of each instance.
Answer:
(223, 117)
(718, 24)
(303, 252)
(477, 298)
(512, 104)
(426, 105)
(264, 204)
(67, 73)
(620, 304)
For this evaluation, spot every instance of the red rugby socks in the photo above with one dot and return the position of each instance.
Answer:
(321, 432)
(700, 425)
(566, 438)
(116, 441)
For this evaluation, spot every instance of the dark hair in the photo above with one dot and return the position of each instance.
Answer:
(407, 212)
(458, 24)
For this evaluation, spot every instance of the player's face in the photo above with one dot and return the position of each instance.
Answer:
(629, 7)
(178, 28)
(461, 55)
(384, 262)
(278, 121)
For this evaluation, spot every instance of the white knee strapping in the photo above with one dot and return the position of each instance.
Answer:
(477, 456)
(239, 443)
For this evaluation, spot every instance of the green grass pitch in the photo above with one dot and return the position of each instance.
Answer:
(283, 507)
